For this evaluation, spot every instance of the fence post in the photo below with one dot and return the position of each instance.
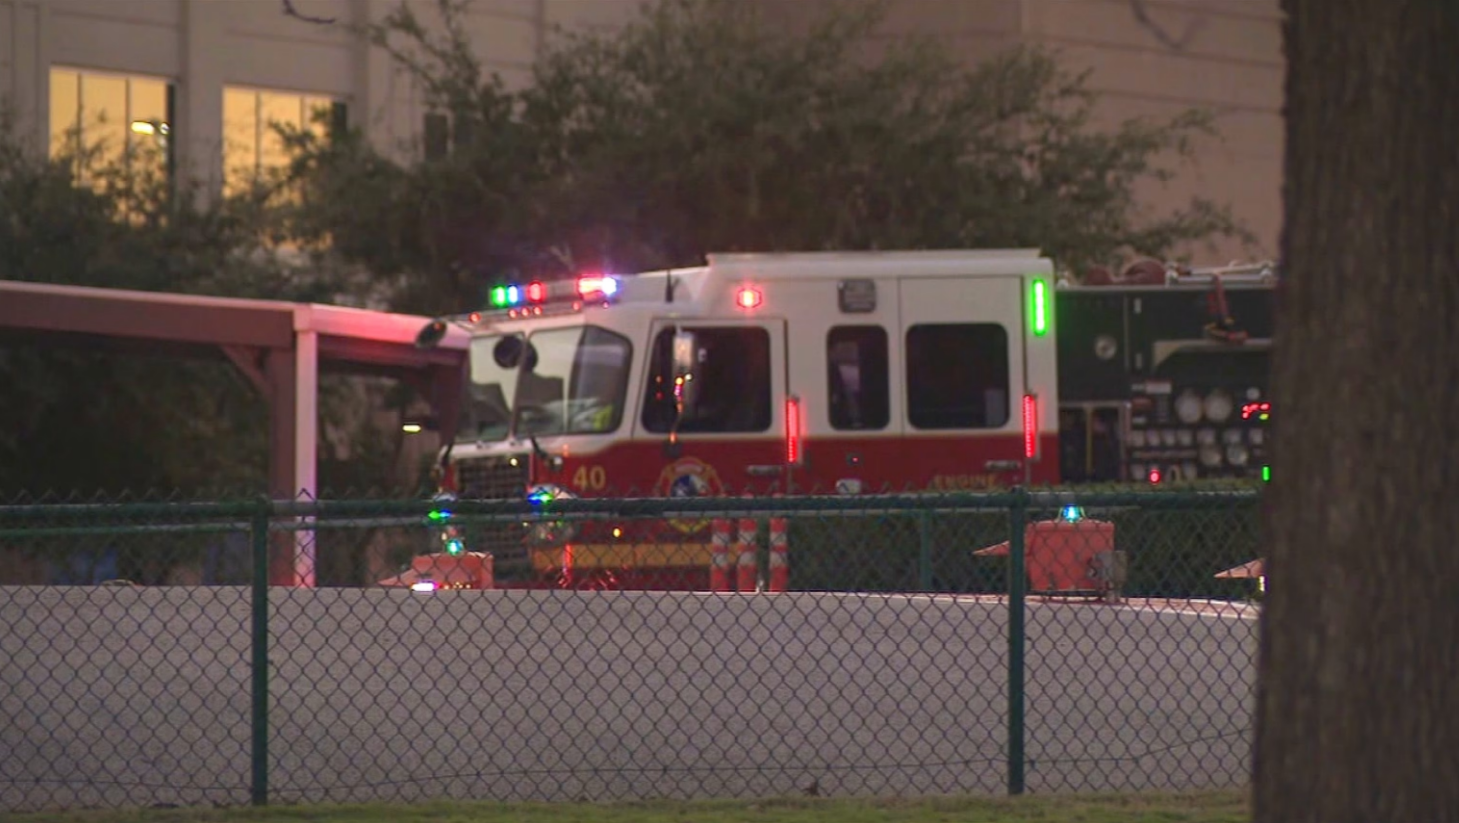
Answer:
(924, 550)
(1017, 586)
(260, 650)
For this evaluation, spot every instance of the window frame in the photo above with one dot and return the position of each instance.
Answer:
(886, 386)
(77, 118)
(574, 370)
(773, 353)
(337, 122)
(911, 384)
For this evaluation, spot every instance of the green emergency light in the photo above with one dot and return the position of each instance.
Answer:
(1039, 308)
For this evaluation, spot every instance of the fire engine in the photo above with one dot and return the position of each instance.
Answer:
(847, 373)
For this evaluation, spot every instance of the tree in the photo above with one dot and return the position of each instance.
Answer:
(1359, 683)
(75, 419)
(81, 419)
(700, 128)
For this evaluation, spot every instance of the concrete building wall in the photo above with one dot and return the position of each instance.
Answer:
(1221, 55)
(23, 61)
(1147, 58)
(1224, 55)
(203, 47)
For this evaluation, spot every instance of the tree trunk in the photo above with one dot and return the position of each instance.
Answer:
(1358, 702)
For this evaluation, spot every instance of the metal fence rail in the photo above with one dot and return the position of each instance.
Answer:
(947, 643)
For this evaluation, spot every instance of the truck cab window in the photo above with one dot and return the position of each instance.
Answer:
(574, 381)
(492, 371)
(733, 382)
(957, 376)
(856, 360)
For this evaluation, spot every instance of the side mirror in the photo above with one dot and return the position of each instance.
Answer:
(431, 335)
(685, 370)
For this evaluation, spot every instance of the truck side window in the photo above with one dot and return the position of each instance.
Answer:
(957, 376)
(856, 364)
(733, 382)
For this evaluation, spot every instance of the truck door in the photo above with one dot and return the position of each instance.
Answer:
(963, 379)
(729, 434)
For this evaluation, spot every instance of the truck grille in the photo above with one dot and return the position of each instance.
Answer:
(492, 478)
(495, 478)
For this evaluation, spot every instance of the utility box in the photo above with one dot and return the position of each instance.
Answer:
(1065, 557)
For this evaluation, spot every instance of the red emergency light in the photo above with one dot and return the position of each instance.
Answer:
(749, 297)
(538, 297)
(1030, 427)
(794, 431)
(597, 285)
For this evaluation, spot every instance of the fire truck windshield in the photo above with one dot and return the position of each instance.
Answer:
(569, 380)
(487, 412)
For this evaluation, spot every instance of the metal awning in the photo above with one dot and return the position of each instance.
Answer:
(279, 346)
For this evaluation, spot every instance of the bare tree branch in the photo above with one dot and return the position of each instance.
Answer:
(1142, 16)
(290, 11)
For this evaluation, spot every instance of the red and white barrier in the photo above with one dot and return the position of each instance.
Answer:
(779, 555)
(719, 558)
(748, 568)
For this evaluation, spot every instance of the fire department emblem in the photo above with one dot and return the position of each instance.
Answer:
(688, 477)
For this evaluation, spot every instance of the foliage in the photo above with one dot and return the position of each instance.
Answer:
(77, 417)
(701, 127)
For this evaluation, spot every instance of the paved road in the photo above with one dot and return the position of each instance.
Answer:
(141, 696)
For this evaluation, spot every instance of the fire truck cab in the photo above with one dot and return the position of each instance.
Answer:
(833, 373)
(767, 374)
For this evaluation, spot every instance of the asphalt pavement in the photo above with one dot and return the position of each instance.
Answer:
(142, 696)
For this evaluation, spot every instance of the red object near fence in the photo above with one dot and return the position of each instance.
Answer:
(1060, 555)
(779, 555)
(719, 559)
(748, 566)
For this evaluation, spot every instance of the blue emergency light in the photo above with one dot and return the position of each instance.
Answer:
(588, 287)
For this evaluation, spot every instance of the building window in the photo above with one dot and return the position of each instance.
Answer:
(732, 380)
(957, 376)
(857, 376)
(436, 136)
(252, 146)
(442, 134)
(113, 121)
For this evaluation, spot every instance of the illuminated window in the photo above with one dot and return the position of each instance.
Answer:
(112, 120)
(252, 146)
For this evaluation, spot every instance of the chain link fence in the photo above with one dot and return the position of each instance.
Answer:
(188, 653)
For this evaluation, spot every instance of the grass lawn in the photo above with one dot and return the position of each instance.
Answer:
(1190, 807)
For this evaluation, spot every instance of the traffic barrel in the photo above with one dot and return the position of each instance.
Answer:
(748, 566)
(719, 558)
(779, 555)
